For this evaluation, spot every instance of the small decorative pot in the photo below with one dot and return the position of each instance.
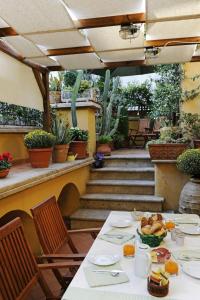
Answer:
(189, 201)
(60, 153)
(79, 148)
(4, 173)
(40, 158)
(104, 148)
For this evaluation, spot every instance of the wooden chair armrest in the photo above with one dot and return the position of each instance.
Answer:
(87, 230)
(59, 265)
(76, 256)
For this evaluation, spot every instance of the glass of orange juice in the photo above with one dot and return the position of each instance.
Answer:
(129, 250)
(171, 267)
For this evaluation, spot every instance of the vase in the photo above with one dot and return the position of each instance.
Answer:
(79, 148)
(40, 158)
(189, 201)
(104, 148)
(4, 173)
(60, 153)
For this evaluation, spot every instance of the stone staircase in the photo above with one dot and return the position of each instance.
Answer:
(126, 182)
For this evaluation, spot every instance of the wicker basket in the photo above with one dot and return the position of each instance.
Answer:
(157, 290)
(166, 151)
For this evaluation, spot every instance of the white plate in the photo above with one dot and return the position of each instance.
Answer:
(192, 269)
(104, 259)
(121, 223)
(190, 229)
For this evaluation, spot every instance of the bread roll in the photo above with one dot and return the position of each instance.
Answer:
(144, 222)
(146, 229)
(155, 227)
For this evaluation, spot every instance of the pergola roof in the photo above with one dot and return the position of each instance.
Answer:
(76, 34)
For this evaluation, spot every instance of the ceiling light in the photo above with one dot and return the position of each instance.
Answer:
(152, 52)
(130, 31)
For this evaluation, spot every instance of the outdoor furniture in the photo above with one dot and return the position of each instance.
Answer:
(181, 287)
(54, 237)
(143, 132)
(18, 268)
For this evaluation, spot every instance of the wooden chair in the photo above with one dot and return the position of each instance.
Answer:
(18, 268)
(54, 237)
(144, 132)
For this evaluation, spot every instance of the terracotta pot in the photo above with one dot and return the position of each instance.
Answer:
(79, 148)
(189, 201)
(55, 96)
(4, 173)
(104, 148)
(40, 158)
(196, 143)
(166, 151)
(60, 153)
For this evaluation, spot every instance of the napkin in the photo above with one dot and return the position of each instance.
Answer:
(101, 279)
(189, 254)
(121, 236)
(183, 219)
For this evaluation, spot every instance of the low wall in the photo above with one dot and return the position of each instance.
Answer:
(169, 182)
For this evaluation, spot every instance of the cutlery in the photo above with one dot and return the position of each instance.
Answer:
(114, 273)
(187, 258)
(117, 236)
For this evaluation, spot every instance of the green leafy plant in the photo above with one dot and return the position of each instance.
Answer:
(74, 98)
(78, 134)
(55, 82)
(5, 161)
(104, 139)
(189, 162)
(61, 131)
(39, 139)
(191, 125)
(84, 85)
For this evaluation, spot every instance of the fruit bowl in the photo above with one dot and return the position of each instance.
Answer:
(151, 239)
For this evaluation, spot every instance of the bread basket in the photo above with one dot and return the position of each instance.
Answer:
(151, 239)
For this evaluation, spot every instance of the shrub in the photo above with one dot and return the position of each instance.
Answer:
(39, 139)
(78, 134)
(189, 162)
(104, 139)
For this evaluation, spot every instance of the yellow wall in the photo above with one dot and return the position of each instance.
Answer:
(73, 184)
(13, 143)
(86, 121)
(191, 69)
(18, 84)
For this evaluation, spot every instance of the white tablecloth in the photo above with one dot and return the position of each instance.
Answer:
(182, 287)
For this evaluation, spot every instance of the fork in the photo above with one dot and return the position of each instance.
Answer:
(117, 236)
(114, 273)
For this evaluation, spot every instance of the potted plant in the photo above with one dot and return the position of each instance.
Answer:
(99, 160)
(191, 127)
(55, 87)
(78, 144)
(5, 164)
(60, 130)
(40, 145)
(189, 163)
(104, 144)
(170, 145)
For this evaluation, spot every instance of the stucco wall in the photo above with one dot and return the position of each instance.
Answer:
(18, 84)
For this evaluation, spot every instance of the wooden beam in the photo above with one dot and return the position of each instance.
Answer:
(172, 42)
(69, 51)
(40, 82)
(55, 68)
(110, 21)
(9, 51)
(7, 31)
(46, 103)
(195, 59)
(132, 63)
(174, 18)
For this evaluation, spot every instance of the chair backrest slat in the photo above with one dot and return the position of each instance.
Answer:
(143, 123)
(50, 226)
(18, 266)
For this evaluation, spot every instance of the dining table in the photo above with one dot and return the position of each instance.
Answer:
(181, 286)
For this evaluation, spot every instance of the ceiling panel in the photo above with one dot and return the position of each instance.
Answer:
(171, 8)
(107, 38)
(80, 61)
(44, 61)
(102, 8)
(173, 29)
(32, 16)
(59, 39)
(3, 24)
(23, 46)
(173, 54)
(123, 55)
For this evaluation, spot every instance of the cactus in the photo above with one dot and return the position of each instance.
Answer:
(108, 106)
(74, 98)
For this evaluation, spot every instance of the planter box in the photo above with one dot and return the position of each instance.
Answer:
(166, 151)
(89, 94)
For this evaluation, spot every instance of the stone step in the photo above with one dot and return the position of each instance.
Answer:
(145, 173)
(87, 218)
(129, 160)
(122, 202)
(135, 187)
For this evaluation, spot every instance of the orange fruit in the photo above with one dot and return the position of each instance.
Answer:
(171, 267)
(170, 225)
(129, 250)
